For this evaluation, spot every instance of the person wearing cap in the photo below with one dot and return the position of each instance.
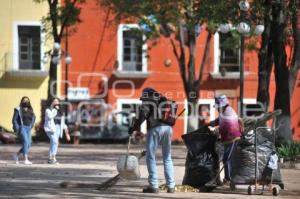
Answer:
(229, 131)
(157, 133)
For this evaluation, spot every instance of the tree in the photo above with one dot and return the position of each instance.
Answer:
(282, 32)
(181, 21)
(265, 61)
(295, 46)
(58, 19)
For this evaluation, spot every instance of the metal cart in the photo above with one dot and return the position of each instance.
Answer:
(255, 150)
(274, 188)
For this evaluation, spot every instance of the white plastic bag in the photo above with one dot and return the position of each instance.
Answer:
(128, 167)
(273, 162)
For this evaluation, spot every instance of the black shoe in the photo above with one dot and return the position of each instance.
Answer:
(170, 190)
(150, 190)
(53, 162)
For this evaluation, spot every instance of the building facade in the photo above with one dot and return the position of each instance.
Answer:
(109, 63)
(22, 45)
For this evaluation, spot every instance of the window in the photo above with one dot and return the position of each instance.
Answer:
(130, 109)
(206, 112)
(129, 106)
(29, 41)
(229, 57)
(131, 50)
(252, 108)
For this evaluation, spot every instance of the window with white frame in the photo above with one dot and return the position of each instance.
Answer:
(206, 111)
(252, 108)
(29, 47)
(131, 49)
(229, 56)
(130, 106)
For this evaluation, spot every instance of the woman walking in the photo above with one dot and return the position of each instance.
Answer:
(23, 121)
(54, 127)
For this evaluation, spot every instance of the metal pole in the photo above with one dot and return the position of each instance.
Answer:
(242, 76)
(66, 73)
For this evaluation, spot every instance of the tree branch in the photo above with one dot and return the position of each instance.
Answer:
(191, 64)
(174, 49)
(204, 59)
(53, 16)
(64, 23)
(182, 55)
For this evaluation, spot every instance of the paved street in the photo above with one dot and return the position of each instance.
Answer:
(93, 164)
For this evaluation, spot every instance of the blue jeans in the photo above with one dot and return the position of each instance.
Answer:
(53, 136)
(161, 135)
(25, 135)
(228, 150)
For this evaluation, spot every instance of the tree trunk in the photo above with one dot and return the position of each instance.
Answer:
(282, 95)
(265, 59)
(52, 82)
(193, 115)
(295, 65)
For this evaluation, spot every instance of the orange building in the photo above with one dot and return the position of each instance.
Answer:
(108, 63)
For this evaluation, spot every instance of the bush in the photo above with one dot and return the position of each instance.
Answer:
(289, 151)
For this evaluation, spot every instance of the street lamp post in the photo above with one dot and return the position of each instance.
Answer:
(56, 55)
(68, 60)
(242, 76)
(243, 28)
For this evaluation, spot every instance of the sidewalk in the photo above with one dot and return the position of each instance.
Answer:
(94, 164)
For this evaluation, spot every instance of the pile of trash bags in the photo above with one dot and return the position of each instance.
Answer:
(244, 159)
(202, 161)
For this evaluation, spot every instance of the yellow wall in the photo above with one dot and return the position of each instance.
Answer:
(13, 88)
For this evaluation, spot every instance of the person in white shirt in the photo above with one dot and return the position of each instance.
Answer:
(54, 127)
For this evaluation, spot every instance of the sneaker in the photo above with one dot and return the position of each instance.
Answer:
(53, 162)
(150, 190)
(56, 162)
(16, 158)
(27, 162)
(171, 190)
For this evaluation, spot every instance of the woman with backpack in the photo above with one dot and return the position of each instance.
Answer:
(54, 127)
(23, 121)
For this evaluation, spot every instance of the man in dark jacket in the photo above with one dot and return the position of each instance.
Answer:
(158, 133)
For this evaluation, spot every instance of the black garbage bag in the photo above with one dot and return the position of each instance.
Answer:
(243, 159)
(202, 158)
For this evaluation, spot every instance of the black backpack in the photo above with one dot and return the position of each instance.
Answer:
(167, 111)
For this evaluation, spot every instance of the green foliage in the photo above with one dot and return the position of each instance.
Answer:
(61, 14)
(170, 14)
(232, 40)
(289, 151)
(191, 13)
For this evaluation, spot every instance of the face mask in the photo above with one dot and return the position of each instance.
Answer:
(26, 104)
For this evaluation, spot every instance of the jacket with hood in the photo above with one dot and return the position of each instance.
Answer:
(17, 119)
